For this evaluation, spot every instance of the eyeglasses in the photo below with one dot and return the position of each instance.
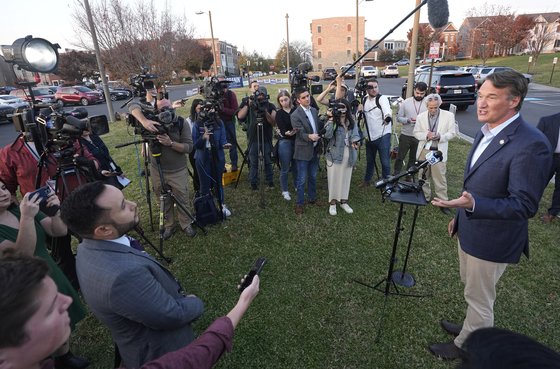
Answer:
(371, 87)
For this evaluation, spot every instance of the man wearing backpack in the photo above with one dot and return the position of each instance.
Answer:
(377, 117)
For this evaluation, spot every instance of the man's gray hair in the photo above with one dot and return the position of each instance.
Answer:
(433, 97)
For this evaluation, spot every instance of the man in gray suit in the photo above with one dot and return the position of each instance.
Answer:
(305, 120)
(136, 297)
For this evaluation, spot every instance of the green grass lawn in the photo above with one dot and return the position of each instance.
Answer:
(310, 313)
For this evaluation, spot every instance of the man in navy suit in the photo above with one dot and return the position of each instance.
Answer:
(136, 297)
(305, 120)
(550, 126)
(505, 175)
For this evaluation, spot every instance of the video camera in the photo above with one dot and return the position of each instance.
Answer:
(213, 92)
(361, 85)
(259, 100)
(299, 78)
(337, 108)
(166, 117)
(142, 82)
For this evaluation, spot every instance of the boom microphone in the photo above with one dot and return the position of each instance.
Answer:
(438, 13)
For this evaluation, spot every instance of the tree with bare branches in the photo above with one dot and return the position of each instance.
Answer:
(142, 34)
(540, 36)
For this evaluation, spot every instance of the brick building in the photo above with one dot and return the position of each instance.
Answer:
(226, 56)
(333, 41)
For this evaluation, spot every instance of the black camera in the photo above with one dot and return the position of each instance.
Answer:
(167, 118)
(361, 85)
(259, 100)
(299, 78)
(142, 82)
(337, 108)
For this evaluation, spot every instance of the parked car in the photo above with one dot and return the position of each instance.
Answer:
(403, 62)
(78, 95)
(369, 71)
(41, 94)
(14, 102)
(429, 60)
(454, 87)
(422, 68)
(5, 90)
(349, 73)
(390, 71)
(329, 73)
(483, 72)
(116, 93)
(5, 111)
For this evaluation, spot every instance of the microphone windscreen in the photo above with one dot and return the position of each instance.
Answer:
(438, 13)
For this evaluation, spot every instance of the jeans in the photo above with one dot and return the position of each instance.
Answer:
(383, 146)
(307, 170)
(287, 162)
(254, 163)
(407, 144)
(231, 137)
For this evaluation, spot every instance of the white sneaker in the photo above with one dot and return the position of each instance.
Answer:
(346, 208)
(286, 195)
(226, 211)
(332, 209)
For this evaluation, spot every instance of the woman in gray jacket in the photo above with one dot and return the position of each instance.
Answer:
(342, 153)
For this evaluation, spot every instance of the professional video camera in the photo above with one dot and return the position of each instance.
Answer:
(213, 92)
(299, 78)
(166, 118)
(361, 86)
(259, 100)
(142, 82)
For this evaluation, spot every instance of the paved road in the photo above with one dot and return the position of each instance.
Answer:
(541, 101)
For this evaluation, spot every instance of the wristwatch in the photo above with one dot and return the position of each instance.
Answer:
(171, 144)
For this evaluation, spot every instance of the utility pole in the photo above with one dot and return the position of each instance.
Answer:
(413, 49)
(100, 63)
(287, 48)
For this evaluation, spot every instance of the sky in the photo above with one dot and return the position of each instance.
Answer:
(251, 25)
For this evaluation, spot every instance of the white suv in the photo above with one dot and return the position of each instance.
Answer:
(369, 71)
(390, 71)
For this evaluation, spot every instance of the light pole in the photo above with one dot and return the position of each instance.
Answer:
(213, 42)
(287, 48)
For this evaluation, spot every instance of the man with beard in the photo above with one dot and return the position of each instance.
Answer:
(137, 298)
(408, 111)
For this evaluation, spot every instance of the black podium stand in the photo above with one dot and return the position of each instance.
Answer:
(404, 194)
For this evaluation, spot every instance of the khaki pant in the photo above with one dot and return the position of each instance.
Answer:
(177, 181)
(480, 278)
(435, 173)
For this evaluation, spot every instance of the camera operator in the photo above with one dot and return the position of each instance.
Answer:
(378, 116)
(260, 114)
(209, 137)
(174, 145)
(229, 107)
(340, 90)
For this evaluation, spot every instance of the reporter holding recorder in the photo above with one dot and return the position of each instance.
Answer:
(28, 293)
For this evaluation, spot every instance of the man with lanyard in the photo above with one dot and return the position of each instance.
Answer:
(377, 115)
(408, 111)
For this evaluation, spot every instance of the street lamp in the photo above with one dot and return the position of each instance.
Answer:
(213, 43)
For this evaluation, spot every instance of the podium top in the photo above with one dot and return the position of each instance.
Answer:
(408, 197)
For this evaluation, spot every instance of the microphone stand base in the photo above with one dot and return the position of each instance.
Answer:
(403, 279)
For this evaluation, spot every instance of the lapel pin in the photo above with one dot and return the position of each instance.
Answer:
(502, 142)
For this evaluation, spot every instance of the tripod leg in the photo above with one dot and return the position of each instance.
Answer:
(242, 166)
(148, 189)
(140, 232)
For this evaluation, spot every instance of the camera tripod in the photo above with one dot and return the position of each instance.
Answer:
(260, 158)
(403, 193)
(215, 175)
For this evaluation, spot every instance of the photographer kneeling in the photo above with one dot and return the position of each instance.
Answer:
(174, 141)
(260, 114)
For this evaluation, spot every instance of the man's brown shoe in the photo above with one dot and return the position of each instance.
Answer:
(299, 209)
(548, 218)
(446, 351)
(364, 184)
(450, 327)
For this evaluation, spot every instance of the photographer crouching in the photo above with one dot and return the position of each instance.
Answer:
(258, 115)
(171, 140)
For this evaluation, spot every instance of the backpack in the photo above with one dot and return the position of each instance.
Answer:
(206, 212)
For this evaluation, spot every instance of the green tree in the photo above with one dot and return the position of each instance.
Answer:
(74, 65)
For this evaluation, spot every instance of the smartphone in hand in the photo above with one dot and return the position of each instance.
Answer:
(44, 193)
(255, 270)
